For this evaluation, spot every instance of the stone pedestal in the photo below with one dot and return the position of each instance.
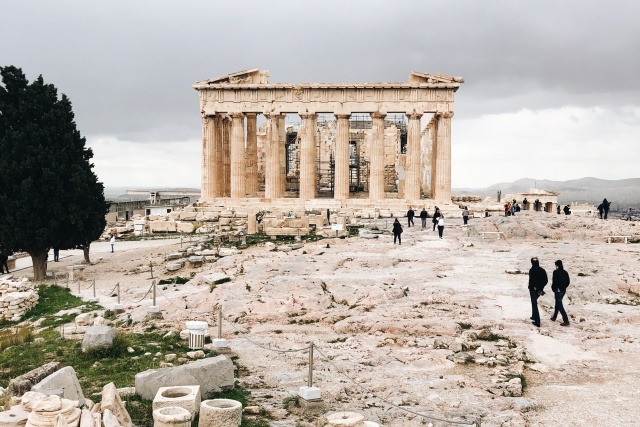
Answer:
(220, 413)
(345, 419)
(197, 332)
(187, 397)
(171, 416)
(153, 312)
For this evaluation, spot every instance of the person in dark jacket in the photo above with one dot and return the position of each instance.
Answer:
(423, 216)
(436, 215)
(397, 232)
(537, 281)
(4, 258)
(410, 215)
(559, 284)
(605, 207)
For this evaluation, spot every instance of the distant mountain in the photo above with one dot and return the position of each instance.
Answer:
(622, 193)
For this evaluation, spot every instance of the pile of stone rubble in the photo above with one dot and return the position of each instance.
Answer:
(16, 298)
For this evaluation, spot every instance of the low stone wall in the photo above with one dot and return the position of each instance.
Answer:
(16, 298)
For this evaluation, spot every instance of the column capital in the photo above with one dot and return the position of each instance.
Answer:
(307, 116)
(414, 116)
(444, 115)
(251, 115)
(271, 115)
(343, 116)
(237, 115)
(378, 115)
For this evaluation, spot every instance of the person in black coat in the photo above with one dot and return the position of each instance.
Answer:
(410, 215)
(436, 215)
(423, 216)
(605, 207)
(559, 284)
(4, 258)
(397, 232)
(537, 281)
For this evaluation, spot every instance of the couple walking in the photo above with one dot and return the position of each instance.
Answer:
(559, 284)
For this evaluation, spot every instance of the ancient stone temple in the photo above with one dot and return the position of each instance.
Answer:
(350, 141)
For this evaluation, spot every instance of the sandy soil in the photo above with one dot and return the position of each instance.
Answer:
(395, 319)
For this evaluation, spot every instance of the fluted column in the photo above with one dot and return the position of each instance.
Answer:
(252, 155)
(207, 156)
(238, 168)
(282, 155)
(376, 165)
(341, 184)
(442, 184)
(273, 178)
(412, 180)
(226, 157)
(218, 158)
(308, 157)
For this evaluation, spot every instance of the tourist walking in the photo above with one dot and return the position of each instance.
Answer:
(56, 254)
(525, 202)
(559, 284)
(558, 210)
(440, 225)
(112, 241)
(436, 215)
(629, 214)
(397, 232)
(465, 215)
(605, 207)
(567, 210)
(423, 216)
(410, 215)
(600, 210)
(537, 281)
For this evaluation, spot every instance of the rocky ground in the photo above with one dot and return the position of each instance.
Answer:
(438, 327)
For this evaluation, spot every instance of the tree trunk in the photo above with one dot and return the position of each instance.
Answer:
(85, 250)
(39, 261)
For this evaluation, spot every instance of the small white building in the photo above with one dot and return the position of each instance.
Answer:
(158, 210)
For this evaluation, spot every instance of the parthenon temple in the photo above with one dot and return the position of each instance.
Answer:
(372, 143)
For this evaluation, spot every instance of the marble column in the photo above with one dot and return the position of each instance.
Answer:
(376, 161)
(208, 131)
(272, 175)
(252, 155)
(226, 157)
(282, 156)
(237, 156)
(308, 157)
(341, 179)
(442, 183)
(412, 180)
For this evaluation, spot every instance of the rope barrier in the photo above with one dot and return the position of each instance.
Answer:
(88, 286)
(366, 390)
(110, 293)
(145, 295)
(278, 350)
(203, 313)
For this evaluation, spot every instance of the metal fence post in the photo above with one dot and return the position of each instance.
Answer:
(310, 381)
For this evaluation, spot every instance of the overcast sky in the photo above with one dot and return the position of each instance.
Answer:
(552, 88)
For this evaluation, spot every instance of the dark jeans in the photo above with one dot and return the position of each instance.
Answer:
(559, 307)
(465, 219)
(440, 230)
(397, 236)
(4, 265)
(535, 314)
(424, 223)
(409, 221)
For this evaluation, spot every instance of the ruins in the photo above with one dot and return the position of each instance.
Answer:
(372, 142)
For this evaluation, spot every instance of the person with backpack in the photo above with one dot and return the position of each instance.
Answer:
(559, 284)
(465, 215)
(605, 207)
(436, 215)
(397, 232)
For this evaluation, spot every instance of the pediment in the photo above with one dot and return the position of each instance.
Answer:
(250, 76)
(416, 77)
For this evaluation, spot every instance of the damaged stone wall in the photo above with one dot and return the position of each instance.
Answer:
(16, 298)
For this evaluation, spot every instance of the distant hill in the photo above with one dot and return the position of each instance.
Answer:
(623, 193)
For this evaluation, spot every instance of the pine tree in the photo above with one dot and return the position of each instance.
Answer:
(49, 194)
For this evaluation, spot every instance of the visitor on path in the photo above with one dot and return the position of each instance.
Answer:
(600, 210)
(536, 204)
(558, 209)
(605, 207)
(517, 207)
(112, 241)
(629, 214)
(328, 216)
(423, 216)
(410, 215)
(56, 254)
(537, 281)
(4, 258)
(525, 202)
(436, 215)
(567, 210)
(397, 232)
(513, 209)
(559, 284)
(506, 209)
(440, 225)
(465, 215)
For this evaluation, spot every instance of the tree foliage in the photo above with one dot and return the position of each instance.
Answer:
(49, 194)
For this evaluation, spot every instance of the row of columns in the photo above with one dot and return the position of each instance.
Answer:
(231, 170)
